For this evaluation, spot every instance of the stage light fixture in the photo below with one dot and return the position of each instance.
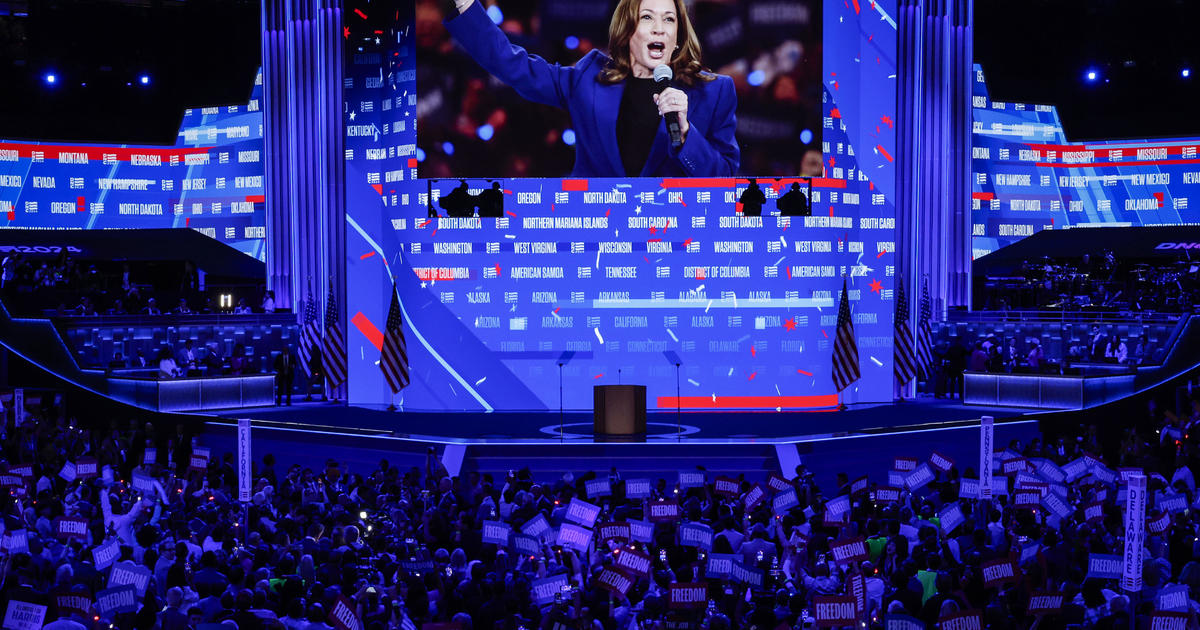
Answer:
(1186, 72)
(806, 136)
(50, 78)
(756, 78)
(496, 14)
(420, 155)
(568, 137)
(571, 42)
(448, 148)
(144, 79)
(485, 132)
(1092, 76)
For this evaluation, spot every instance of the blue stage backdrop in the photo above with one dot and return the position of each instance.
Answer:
(1029, 177)
(211, 180)
(621, 279)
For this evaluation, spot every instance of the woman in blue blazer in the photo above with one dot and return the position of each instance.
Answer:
(615, 109)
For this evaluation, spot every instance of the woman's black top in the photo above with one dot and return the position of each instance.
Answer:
(637, 124)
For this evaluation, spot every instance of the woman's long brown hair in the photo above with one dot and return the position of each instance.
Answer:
(685, 62)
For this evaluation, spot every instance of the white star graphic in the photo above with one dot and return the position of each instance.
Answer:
(351, 115)
(638, 210)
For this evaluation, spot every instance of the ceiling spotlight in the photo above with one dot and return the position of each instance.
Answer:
(1187, 72)
(144, 79)
(50, 78)
(1092, 75)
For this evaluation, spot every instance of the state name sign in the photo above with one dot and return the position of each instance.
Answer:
(244, 472)
(545, 589)
(696, 535)
(849, 550)
(726, 487)
(619, 532)
(574, 537)
(1135, 535)
(986, 447)
(662, 511)
(633, 562)
(998, 572)
(692, 595)
(496, 532)
(831, 612)
(1104, 566)
(637, 488)
(582, 513)
(1045, 603)
(966, 620)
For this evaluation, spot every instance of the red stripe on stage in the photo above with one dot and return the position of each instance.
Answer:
(575, 185)
(256, 198)
(983, 196)
(369, 330)
(749, 402)
(730, 182)
(366, 255)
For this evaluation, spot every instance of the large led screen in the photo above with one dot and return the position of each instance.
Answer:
(210, 180)
(535, 89)
(1030, 177)
(666, 281)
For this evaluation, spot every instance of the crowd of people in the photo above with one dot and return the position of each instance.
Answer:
(67, 287)
(125, 527)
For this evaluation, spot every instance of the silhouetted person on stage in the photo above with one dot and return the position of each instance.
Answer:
(794, 203)
(752, 200)
(459, 203)
(491, 202)
(285, 370)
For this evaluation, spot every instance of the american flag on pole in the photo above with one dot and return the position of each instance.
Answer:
(310, 334)
(394, 361)
(334, 347)
(845, 348)
(924, 335)
(905, 364)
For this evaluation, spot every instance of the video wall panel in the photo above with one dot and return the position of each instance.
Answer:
(1030, 177)
(621, 278)
(210, 180)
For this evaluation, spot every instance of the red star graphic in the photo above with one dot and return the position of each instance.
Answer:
(789, 324)
(346, 32)
(876, 286)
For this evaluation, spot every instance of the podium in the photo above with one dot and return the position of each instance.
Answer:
(619, 413)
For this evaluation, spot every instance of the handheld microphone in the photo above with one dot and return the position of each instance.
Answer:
(662, 81)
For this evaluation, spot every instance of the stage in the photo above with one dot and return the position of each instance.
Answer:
(689, 426)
